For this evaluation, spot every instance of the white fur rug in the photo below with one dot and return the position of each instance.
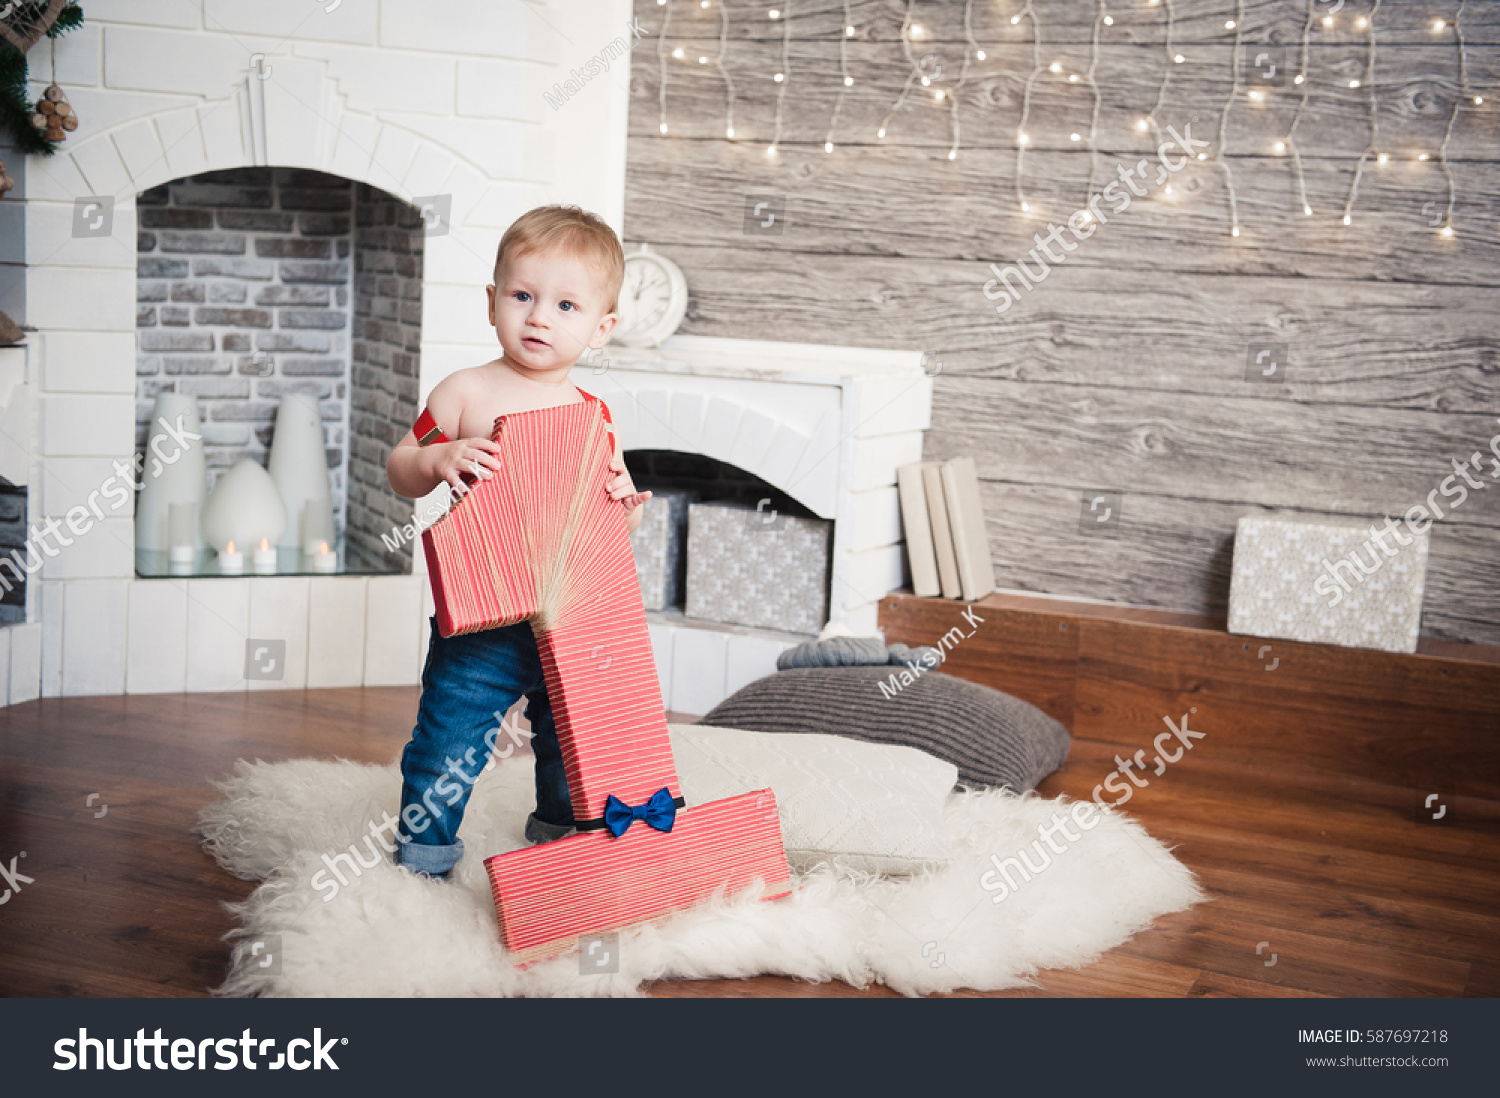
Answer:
(389, 933)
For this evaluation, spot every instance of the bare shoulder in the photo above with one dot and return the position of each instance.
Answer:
(451, 396)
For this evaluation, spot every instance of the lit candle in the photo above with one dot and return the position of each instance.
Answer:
(325, 560)
(182, 533)
(230, 560)
(265, 557)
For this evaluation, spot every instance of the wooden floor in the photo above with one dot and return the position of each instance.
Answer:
(1352, 894)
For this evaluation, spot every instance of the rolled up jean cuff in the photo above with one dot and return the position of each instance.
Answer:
(430, 859)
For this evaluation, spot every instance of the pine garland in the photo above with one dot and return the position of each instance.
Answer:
(16, 107)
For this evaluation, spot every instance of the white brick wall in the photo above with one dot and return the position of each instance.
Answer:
(379, 91)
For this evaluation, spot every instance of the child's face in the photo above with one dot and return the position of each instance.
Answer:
(548, 308)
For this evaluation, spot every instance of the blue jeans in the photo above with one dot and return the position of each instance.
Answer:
(468, 684)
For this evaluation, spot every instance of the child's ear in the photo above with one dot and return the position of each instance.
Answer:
(601, 334)
(490, 293)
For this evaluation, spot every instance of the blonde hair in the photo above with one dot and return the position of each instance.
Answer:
(573, 229)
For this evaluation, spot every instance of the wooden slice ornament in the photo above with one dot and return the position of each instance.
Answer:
(58, 118)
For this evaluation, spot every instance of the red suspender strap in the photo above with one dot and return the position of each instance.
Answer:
(427, 430)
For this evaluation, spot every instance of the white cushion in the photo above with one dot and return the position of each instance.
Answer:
(867, 806)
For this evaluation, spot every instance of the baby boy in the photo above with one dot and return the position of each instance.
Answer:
(557, 278)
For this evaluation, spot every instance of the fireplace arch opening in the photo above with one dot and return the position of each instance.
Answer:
(256, 283)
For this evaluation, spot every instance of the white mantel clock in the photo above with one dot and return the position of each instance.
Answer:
(653, 299)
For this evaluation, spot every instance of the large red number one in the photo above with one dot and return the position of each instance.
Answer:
(541, 542)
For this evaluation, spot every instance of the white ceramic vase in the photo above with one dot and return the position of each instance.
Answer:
(173, 471)
(299, 466)
(243, 508)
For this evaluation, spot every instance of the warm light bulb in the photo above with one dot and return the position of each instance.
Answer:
(677, 53)
(702, 60)
(1421, 156)
(1073, 78)
(1109, 20)
(1179, 58)
(1383, 157)
(1022, 138)
(1307, 210)
(1298, 78)
(979, 54)
(1168, 189)
(1054, 67)
(881, 133)
(1203, 156)
(848, 81)
(1446, 230)
(1142, 125)
(1234, 231)
(1025, 207)
(729, 131)
(1279, 148)
(774, 13)
(1361, 22)
(952, 154)
(1014, 19)
(1354, 83)
(828, 146)
(1438, 25)
(926, 80)
(918, 31)
(779, 77)
(1478, 99)
(1346, 219)
(1075, 137)
(771, 150)
(848, 32)
(938, 95)
(1257, 96)
(703, 3)
(663, 127)
(1229, 24)
(1085, 216)
(1328, 20)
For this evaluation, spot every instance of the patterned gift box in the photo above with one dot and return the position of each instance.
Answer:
(1335, 584)
(657, 545)
(760, 568)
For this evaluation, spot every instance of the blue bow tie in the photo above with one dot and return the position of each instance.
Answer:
(659, 812)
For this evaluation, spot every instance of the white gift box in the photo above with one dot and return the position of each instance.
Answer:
(657, 545)
(1355, 585)
(758, 568)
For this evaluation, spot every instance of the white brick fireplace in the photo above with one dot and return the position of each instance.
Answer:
(440, 98)
(826, 425)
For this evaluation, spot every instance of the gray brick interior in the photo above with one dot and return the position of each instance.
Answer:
(257, 282)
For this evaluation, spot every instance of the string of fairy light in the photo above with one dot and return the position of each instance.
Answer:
(945, 91)
(1373, 148)
(1237, 24)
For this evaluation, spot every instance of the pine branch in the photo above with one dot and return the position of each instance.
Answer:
(16, 107)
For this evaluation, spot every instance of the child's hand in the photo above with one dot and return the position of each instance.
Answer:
(622, 488)
(476, 456)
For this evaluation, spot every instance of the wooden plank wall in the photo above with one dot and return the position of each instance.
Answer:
(1126, 369)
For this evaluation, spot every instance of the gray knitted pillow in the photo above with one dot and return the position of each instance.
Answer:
(993, 738)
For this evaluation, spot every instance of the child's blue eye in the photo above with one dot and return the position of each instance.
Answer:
(521, 295)
(568, 305)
